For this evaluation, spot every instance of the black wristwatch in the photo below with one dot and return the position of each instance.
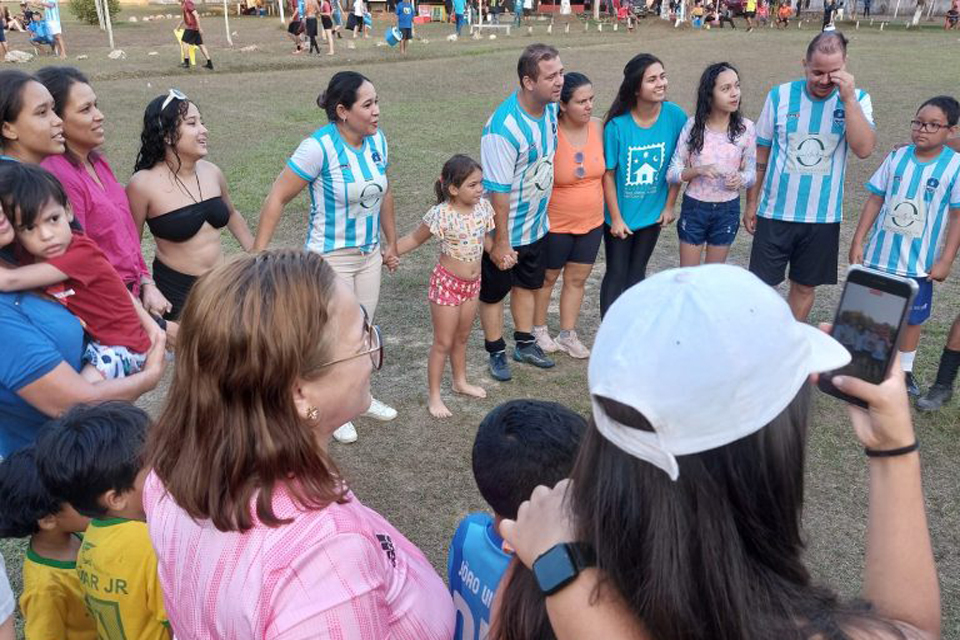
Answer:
(561, 564)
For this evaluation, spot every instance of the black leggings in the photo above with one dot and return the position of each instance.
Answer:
(627, 260)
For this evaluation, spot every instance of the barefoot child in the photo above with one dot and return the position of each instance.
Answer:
(913, 216)
(72, 269)
(461, 221)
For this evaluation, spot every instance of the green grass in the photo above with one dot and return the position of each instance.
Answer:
(416, 470)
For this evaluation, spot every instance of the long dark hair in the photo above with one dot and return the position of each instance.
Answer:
(59, 81)
(12, 83)
(161, 128)
(632, 77)
(455, 172)
(708, 80)
(716, 555)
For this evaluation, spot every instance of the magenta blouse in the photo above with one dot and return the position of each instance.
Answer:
(104, 214)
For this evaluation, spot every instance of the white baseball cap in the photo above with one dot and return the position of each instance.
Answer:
(707, 354)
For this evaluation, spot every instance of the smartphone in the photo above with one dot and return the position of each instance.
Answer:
(870, 318)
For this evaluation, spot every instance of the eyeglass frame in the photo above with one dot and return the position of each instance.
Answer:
(919, 125)
(372, 335)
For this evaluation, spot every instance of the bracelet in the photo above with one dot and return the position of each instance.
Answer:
(889, 453)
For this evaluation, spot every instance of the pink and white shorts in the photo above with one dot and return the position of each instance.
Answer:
(449, 290)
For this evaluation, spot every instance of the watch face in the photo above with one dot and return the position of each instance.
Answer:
(554, 569)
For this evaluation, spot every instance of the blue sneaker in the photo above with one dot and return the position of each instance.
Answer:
(499, 368)
(531, 353)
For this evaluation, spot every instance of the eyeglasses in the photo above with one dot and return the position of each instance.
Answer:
(580, 171)
(173, 94)
(928, 127)
(374, 345)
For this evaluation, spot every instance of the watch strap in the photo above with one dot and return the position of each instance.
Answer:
(583, 555)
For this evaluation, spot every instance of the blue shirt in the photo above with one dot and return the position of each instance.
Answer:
(475, 564)
(459, 6)
(641, 157)
(807, 137)
(516, 152)
(405, 15)
(908, 234)
(42, 334)
(347, 186)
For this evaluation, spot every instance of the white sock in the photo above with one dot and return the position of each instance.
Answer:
(906, 360)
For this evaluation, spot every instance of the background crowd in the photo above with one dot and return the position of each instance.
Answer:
(228, 516)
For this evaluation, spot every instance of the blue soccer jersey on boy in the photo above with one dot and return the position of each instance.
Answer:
(516, 151)
(808, 153)
(908, 234)
(475, 564)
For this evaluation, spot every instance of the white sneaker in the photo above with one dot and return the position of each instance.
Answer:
(346, 434)
(569, 342)
(544, 341)
(380, 411)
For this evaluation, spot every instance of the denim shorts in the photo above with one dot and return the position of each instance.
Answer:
(712, 223)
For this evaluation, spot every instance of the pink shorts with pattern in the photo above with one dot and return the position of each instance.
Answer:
(449, 290)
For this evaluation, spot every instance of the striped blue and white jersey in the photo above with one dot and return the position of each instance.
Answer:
(346, 189)
(808, 153)
(52, 14)
(910, 229)
(516, 152)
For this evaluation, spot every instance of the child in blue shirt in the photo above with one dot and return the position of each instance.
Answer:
(40, 33)
(405, 23)
(913, 216)
(519, 445)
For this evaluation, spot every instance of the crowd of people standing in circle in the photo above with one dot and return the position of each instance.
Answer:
(241, 522)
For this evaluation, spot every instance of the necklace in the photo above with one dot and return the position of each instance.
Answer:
(184, 188)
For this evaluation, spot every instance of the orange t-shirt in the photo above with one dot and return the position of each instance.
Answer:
(576, 205)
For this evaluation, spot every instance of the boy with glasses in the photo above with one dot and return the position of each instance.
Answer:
(913, 216)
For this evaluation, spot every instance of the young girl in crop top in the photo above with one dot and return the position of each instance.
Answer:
(69, 266)
(461, 220)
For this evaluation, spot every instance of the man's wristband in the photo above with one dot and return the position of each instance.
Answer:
(889, 453)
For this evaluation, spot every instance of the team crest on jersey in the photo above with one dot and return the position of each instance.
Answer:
(553, 125)
(839, 116)
(376, 157)
(932, 185)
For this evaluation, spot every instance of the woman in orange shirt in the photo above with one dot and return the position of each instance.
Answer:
(575, 213)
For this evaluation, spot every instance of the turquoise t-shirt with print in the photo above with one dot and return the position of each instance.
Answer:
(641, 157)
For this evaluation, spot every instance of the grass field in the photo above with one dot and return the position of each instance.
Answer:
(416, 470)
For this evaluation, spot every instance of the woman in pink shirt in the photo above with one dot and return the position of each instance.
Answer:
(716, 156)
(256, 532)
(98, 201)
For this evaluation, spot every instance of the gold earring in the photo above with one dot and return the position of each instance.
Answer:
(313, 413)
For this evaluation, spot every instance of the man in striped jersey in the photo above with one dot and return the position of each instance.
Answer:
(516, 152)
(912, 216)
(803, 134)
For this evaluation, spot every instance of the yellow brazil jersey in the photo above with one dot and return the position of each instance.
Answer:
(751, 5)
(52, 602)
(118, 574)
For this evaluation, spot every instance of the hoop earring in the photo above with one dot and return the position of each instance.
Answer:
(313, 413)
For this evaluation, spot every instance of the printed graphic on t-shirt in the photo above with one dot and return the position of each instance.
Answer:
(906, 216)
(367, 194)
(811, 153)
(643, 167)
(539, 178)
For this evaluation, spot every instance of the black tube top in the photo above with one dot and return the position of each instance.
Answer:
(182, 224)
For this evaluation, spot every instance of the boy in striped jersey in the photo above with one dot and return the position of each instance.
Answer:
(516, 152)
(803, 133)
(913, 216)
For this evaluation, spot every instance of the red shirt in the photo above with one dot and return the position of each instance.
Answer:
(95, 293)
(189, 20)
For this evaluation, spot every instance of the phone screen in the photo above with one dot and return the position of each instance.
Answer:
(867, 324)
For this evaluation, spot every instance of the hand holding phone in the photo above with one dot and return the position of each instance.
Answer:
(869, 320)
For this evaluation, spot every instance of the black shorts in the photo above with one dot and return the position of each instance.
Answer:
(192, 36)
(581, 248)
(528, 273)
(810, 248)
(312, 28)
(406, 33)
(294, 27)
(327, 22)
(750, 14)
(353, 21)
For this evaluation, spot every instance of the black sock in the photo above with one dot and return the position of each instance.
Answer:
(522, 338)
(949, 364)
(495, 346)
(186, 61)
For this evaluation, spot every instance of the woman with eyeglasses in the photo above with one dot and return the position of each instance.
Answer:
(257, 532)
(98, 201)
(575, 212)
(182, 198)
